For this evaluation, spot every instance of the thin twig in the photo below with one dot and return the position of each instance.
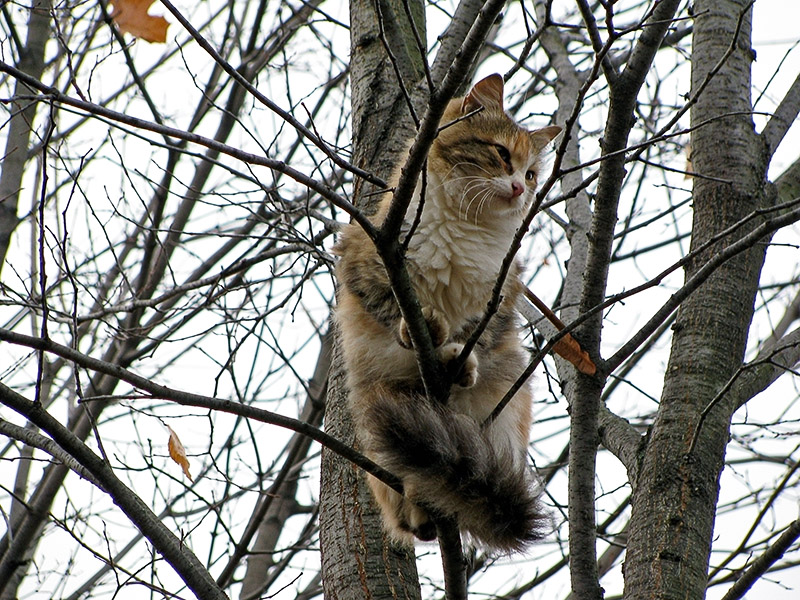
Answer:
(762, 564)
(50, 93)
(189, 399)
(453, 563)
(236, 76)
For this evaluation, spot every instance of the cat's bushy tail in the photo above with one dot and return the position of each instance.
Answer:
(453, 467)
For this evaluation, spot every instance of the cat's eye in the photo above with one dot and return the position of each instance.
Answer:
(530, 176)
(504, 154)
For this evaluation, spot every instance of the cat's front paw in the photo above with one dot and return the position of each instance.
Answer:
(468, 375)
(437, 326)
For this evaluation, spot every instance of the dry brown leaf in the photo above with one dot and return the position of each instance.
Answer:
(131, 17)
(178, 453)
(569, 349)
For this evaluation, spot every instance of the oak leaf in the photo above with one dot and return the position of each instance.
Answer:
(131, 17)
(178, 453)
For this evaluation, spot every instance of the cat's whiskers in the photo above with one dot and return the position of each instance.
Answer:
(487, 193)
(482, 192)
(472, 182)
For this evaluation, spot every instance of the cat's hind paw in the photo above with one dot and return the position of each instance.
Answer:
(437, 326)
(468, 375)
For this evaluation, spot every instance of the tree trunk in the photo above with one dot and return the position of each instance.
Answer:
(15, 157)
(676, 492)
(358, 561)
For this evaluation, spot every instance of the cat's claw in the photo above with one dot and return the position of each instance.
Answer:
(468, 376)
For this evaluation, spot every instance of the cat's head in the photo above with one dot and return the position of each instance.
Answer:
(486, 161)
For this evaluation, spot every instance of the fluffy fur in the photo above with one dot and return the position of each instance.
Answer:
(481, 176)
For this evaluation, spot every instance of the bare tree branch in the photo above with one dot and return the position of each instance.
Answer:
(55, 95)
(762, 564)
(783, 117)
(28, 436)
(189, 399)
(177, 554)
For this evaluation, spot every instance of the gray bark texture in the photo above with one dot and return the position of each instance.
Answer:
(20, 128)
(358, 561)
(676, 492)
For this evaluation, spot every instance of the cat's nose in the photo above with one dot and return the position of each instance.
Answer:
(516, 189)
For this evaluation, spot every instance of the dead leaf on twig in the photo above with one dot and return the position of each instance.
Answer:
(178, 453)
(567, 347)
(131, 17)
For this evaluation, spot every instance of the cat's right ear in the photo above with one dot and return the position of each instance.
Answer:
(488, 93)
(541, 137)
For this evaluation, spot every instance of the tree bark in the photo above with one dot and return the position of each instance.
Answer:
(358, 560)
(15, 156)
(673, 507)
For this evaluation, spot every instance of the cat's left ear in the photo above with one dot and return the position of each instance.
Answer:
(487, 93)
(541, 137)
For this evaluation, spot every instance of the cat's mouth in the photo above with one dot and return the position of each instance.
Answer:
(510, 200)
(512, 194)
(493, 199)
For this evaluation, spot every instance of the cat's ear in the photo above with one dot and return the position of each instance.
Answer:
(541, 137)
(487, 93)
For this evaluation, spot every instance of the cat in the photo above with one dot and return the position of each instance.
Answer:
(481, 176)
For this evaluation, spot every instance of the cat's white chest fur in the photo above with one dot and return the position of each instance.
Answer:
(457, 258)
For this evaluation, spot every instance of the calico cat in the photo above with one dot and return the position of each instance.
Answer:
(481, 176)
